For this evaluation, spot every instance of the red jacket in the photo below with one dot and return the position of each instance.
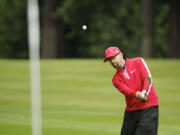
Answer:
(132, 79)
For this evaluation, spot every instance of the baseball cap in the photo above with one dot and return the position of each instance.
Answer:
(111, 51)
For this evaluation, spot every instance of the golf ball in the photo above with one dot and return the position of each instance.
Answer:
(84, 27)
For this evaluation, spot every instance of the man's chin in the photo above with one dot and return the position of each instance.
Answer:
(116, 67)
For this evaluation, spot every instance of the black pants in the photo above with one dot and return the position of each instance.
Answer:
(141, 122)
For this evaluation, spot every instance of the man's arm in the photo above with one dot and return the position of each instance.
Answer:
(124, 88)
(129, 92)
(145, 72)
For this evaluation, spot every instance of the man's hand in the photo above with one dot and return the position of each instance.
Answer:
(141, 96)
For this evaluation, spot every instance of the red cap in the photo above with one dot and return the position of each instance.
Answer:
(111, 51)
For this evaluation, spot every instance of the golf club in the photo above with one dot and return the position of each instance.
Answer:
(148, 89)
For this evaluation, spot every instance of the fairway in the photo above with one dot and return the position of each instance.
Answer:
(78, 97)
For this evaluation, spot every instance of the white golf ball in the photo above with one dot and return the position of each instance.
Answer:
(84, 27)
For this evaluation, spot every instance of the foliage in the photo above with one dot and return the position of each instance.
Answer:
(13, 29)
(162, 28)
(110, 23)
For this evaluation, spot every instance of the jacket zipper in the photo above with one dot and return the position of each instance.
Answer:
(126, 74)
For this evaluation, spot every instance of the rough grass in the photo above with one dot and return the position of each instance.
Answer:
(79, 99)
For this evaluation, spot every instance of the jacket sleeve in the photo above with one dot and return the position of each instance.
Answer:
(144, 71)
(123, 88)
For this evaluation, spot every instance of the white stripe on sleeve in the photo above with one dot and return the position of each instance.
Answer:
(149, 73)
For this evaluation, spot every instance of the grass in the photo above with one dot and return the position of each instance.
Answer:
(78, 97)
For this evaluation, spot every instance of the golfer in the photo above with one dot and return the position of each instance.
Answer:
(141, 113)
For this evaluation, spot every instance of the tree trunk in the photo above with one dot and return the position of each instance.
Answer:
(148, 29)
(174, 29)
(52, 31)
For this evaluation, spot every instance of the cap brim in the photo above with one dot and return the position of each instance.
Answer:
(106, 59)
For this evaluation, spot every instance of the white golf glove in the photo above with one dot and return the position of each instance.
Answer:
(141, 95)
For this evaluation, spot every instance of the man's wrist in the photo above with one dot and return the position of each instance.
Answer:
(144, 92)
(138, 94)
(141, 96)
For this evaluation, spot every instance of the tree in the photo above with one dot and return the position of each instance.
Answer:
(175, 29)
(110, 23)
(13, 29)
(148, 29)
(52, 31)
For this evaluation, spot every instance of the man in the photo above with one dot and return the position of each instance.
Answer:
(132, 80)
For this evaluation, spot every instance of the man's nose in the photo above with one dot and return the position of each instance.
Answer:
(112, 60)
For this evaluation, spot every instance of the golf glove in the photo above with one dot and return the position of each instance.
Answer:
(141, 96)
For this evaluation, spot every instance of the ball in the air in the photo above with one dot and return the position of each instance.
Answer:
(84, 27)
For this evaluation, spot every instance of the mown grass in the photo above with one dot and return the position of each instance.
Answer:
(78, 97)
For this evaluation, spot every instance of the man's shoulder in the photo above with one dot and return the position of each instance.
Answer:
(115, 77)
(135, 60)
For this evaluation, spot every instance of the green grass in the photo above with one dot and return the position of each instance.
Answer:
(78, 97)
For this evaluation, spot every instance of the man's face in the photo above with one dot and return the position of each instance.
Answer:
(116, 61)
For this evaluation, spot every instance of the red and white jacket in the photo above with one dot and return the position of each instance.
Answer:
(132, 79)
